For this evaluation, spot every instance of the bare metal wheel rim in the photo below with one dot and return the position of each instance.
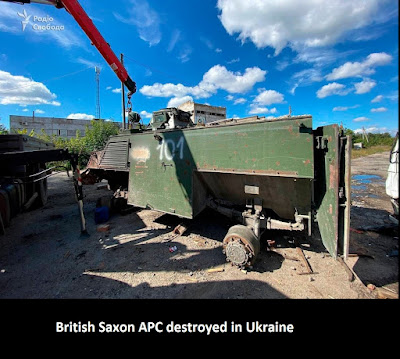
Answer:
(241, 246)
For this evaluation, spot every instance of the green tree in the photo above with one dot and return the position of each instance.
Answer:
(98, 134)
(3, 130)
(371, 139)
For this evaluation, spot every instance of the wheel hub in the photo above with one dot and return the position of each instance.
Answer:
(237, 253)
(241, 246)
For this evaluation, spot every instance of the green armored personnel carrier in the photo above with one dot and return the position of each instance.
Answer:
(263, 173)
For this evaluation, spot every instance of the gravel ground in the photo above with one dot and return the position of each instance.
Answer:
(43, 254)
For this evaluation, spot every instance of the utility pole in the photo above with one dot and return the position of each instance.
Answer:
(97, 70)
(123, 97)
(364, 134)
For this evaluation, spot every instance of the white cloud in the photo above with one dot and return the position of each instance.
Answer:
(173, 90)
(263, 99)
(184, 53)
(116, 90)
(88, 63)
(379, 109)
(147, 21)
(239, 101)
(268, 97)
(356, 69)
(217, 77)
(176, 34)
(256, 110)
(282, 64)
(333, 88)
(378, 98)
(344, 108)
(218, 50)
(39, 111)
(315, 23)
(361, 119)
(233, 61)
(374, 129)
(207, 42)
(179, 47)
(234, 82)
(176, 101)
(146, 114)
(393, 96)
(364, 86)
(319, 56)
(8, 17)
(304, 78)
(80, 116)
(11, 22)
(19, 90)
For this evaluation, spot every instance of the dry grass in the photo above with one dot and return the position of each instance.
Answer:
(369, 151)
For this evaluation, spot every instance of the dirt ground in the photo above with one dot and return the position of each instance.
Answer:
(43, 254)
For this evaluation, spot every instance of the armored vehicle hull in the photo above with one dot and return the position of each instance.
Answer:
(265, 174)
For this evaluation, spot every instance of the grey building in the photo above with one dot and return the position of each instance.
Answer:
(62, 127)
(202, 114)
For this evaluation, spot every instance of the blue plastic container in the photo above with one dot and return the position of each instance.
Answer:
(101, 214)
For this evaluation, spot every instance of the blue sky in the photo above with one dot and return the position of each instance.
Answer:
(336, 60)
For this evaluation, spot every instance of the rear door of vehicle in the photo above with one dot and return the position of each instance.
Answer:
(332, 191)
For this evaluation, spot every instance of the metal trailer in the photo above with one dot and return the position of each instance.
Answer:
(265, 174)
(23, 175)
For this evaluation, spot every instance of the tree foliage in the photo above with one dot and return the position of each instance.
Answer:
(370, 139)
(3, 130)
(96, 136)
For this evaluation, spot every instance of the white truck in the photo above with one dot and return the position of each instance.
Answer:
(392, 181)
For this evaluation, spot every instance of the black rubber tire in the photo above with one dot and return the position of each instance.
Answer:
(41, 189)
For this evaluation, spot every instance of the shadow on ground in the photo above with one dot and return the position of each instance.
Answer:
(373, 239)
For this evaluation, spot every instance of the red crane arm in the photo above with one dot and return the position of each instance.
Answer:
(80, 16)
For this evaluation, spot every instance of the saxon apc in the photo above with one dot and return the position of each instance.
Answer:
(263, 173)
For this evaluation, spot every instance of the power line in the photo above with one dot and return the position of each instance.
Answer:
(151, 68)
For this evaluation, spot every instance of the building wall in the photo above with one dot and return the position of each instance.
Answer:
(62, 127)
(201, 113)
